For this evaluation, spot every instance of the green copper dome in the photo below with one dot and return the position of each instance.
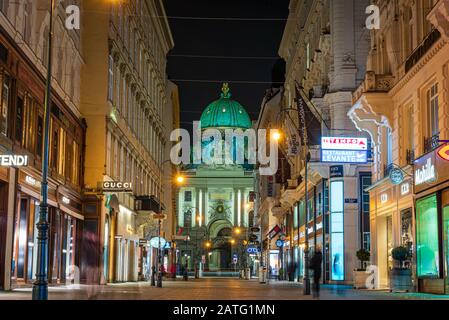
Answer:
(225, 113)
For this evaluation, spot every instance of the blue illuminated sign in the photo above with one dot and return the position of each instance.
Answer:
(396, 176)
(344, 156)
(337, 231)
(253, 250)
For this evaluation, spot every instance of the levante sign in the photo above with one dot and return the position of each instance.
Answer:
(344, 150)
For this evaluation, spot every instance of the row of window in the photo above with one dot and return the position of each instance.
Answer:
(122, 96)
(413, 27)
(24, 124)
(149, 65)
(123, 166)
(408, 130)
(130, 18)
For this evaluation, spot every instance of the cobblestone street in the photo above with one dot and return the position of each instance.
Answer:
(215, 289)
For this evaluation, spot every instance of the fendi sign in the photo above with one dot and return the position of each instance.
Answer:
(430, 170)
(7, 160)
(121, 187)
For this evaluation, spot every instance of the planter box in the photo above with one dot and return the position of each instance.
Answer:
(401, 280)
(360, 278)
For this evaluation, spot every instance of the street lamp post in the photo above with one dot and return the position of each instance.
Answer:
(306, 279)
(40, 286)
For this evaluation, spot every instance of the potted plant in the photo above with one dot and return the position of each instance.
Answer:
(360, 275)
(400, 277)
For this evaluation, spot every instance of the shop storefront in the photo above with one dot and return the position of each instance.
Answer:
(392, 223)
(4, 193)
(126, 246)
(64, 218)
(432, 221)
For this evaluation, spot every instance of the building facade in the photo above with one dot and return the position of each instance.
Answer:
(214, 208)
(325, 45)
(403, 105)
(24, 29)
(267, 188)
(124, 94)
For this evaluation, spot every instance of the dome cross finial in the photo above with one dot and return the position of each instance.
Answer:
(225, 91)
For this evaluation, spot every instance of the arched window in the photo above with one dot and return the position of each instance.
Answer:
(44, 54)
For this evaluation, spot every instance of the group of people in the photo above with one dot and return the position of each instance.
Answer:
(315, 264)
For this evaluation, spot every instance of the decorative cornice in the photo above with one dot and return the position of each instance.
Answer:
(420, 65)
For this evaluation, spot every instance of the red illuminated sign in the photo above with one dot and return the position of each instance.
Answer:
(443, 153)
(339, 143)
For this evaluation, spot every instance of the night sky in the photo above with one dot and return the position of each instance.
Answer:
(259, 37)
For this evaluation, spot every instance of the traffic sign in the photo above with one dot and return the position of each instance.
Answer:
(161, 216)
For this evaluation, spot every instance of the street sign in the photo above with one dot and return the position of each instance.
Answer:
(253, 237)
(279, 243)
(157, 216)
(336, 171)
(253, 250)
(274, 232)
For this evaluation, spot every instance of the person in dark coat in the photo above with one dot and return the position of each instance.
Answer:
(90, 256)
(316, 265)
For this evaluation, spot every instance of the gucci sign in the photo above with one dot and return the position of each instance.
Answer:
(112, 186)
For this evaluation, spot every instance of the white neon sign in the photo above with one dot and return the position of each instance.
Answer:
(344, 156)
(7, 160)
(426, 173)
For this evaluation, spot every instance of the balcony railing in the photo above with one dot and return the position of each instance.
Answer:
(431, 143)
(419, 52)
(410, 157)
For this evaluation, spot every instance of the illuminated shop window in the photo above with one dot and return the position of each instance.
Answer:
(337, 231)
(427, 246)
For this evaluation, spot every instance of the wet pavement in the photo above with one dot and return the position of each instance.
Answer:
(213, 289)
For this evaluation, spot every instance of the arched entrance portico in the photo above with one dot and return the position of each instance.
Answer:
(220, 235)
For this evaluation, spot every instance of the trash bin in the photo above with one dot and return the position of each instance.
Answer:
(263, 275)
(248, 274)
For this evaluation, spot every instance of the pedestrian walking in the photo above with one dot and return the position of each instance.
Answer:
(315, 265)
(90, 255)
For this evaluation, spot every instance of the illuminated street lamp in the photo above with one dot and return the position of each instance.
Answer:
(276, 135)
(180, 179)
